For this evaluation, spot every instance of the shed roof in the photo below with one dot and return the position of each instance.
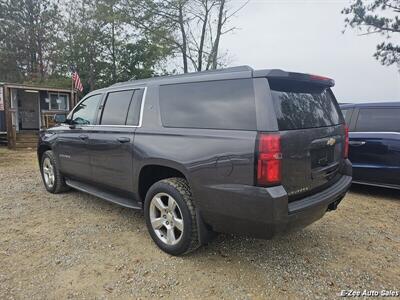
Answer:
(33, 87)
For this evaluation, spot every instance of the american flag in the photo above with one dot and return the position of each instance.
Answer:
(77, 81)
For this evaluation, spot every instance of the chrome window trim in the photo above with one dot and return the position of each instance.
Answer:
(122, 126)
(375, 132)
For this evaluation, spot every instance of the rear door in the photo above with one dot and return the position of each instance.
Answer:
(375, 146)
(111, 144)
(312, 135)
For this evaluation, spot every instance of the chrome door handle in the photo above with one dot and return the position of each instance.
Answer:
(357, 143)
(83, 137)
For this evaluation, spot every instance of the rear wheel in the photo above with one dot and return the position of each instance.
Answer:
(171, 216)
(53, 181)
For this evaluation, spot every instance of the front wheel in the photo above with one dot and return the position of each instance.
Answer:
(53, 180)
(171, 216)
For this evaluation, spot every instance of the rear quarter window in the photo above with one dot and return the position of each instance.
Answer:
(347, 112)
(301, 105)
(224, 104)
(378, 120)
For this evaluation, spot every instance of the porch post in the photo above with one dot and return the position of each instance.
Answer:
(11, 132)
(72, 95)
(72, 100)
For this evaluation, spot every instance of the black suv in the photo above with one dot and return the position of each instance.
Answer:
(234, 150)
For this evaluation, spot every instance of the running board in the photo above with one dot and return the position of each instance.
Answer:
(87, 188)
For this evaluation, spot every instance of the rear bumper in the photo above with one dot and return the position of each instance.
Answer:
(265, 212)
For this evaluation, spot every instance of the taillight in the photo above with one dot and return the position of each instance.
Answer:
(269, 158)
(346, 142)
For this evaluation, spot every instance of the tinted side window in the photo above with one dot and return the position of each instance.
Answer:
(86, 112)
(225, 104)
(347, 114)
(116, 108)
(378, 119)
(134, 108)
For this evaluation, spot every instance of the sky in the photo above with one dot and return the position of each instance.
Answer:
(306, 36)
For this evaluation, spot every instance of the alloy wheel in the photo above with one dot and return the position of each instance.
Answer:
(48, 172)
(166, 218)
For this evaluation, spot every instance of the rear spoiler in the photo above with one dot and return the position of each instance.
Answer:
(302, 77)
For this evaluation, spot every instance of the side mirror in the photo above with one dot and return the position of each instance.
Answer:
(60, 118)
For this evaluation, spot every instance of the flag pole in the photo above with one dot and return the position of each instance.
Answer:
(72, 91)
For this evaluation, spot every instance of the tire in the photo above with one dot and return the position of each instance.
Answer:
(163, 220)
(53, 180)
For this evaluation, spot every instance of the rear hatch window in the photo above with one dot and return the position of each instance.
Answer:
(312, 135)
(300, 105)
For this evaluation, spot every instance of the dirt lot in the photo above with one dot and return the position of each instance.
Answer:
(77, 246)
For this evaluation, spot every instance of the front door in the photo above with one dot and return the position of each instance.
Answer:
(72, 147)
(28, 107)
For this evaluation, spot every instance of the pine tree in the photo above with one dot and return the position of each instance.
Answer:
(29, 39)
(378, 17)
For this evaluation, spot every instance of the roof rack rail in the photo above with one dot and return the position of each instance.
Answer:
(189, 75)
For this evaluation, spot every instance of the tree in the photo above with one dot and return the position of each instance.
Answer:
(110, 18)
(29, 38)
(108, 40)
(106, 48)
(378, 17)
(84, 43)
(193, 27)
(142, 59)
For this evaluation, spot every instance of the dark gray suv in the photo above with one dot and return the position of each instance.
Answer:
(235, 150)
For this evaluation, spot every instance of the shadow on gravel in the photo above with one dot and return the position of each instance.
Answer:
(389, 194)
(93, 204)
(297, 246)
(300, 247)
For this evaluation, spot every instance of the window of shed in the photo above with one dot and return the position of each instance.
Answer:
(58, 101)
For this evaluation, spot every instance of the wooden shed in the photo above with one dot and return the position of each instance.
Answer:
(27, 109)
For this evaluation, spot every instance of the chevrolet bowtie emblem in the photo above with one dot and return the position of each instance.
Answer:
(331, 142)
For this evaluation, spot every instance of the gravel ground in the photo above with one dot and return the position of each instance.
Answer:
(74, 245)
